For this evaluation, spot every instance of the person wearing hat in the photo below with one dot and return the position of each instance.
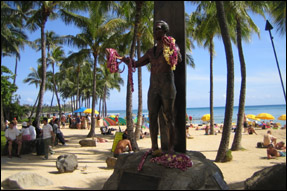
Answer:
(25, 131)
(13, 136)
(163, 58)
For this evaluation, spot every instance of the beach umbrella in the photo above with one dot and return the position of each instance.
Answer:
(89, 110)
(282, 117)
(266, 116)
(253, 117)
(205, 117)
(80, 110)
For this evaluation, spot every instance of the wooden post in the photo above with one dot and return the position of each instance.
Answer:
(173, 12)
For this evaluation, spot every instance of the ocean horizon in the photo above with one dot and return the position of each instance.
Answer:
(219, 112)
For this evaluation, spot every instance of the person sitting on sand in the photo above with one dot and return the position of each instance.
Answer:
(206, 129)
(269, 139)
(121, 147)
(280, 145)
(251, 130)
(273, 153)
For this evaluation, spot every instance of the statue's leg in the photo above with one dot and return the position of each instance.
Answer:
(168, 114)
(168, 94)
(153, 107)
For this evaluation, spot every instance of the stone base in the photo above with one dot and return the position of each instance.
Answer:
(204, 174)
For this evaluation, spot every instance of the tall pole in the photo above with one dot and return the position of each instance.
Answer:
(269, 28)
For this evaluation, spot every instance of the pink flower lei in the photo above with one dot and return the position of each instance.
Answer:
(179, 161)
(170, 51)
(113, 64)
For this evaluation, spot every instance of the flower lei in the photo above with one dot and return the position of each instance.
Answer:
(179, 161)
(113, 64)
(169, 51)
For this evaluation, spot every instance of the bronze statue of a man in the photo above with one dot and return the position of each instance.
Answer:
(162, 91)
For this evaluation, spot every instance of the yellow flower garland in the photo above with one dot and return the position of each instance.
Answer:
(168, 52)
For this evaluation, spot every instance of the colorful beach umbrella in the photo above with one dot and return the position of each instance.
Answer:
(205, 117)
(80, 110)
(282, 117)
(89, 110)
(266, 116)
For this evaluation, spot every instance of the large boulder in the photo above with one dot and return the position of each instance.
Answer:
(67, 163)
(24, 180)
(203, 174)
(87, 143)
(269, 178)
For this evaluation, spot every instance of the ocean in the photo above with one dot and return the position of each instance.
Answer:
(219, 112)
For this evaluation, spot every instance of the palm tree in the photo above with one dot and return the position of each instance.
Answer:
(205, 29)
(96, 30)
(38, 18)
(277, 10)
(244, 25)
(230, 83)
(56, 56)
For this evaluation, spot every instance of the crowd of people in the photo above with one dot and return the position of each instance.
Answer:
(47, 136)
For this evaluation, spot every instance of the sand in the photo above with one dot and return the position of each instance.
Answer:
(244, 164)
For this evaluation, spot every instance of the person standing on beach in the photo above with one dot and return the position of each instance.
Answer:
(162, 91)
(48, 134)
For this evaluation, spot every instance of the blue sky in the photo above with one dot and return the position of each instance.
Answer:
(263, 82)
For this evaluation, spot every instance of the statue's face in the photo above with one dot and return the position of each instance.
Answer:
(158, 33)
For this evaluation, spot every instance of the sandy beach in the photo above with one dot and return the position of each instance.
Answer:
(243, 165)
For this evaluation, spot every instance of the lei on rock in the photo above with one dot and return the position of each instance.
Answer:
(179, 161)
(169, 51)
(113, 64)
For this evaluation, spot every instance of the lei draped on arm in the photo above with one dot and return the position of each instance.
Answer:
(113, 64)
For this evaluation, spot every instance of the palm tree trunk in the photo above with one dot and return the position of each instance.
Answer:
(130, 128)
(93, 124)
(52, 102)
(236, 145)
(34, 107)
(56, 91)
(211, 88)
(44, 67)
(230, 83)
(15, 73)
(140, 105)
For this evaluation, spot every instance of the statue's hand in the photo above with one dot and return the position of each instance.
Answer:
(126, 60)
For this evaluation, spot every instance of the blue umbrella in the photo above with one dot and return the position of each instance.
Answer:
(80, 110)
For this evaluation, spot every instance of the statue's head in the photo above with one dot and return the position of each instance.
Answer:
(162, 25)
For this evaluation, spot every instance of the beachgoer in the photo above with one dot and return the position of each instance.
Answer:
(83, 122)
(188, 136)
(13, 136)
(48, 134)
(121, 147)
(162, 91)
(63, 120)
(89, 121)
(57, 131)
(251, 130)
(269, 139)
(273, 153)
(117, 119)
(15, 122)
(32, 130)
(280, 145)
(25, 131)
(6, 125)
(78, 122)
(245, 124)
(206, 129)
